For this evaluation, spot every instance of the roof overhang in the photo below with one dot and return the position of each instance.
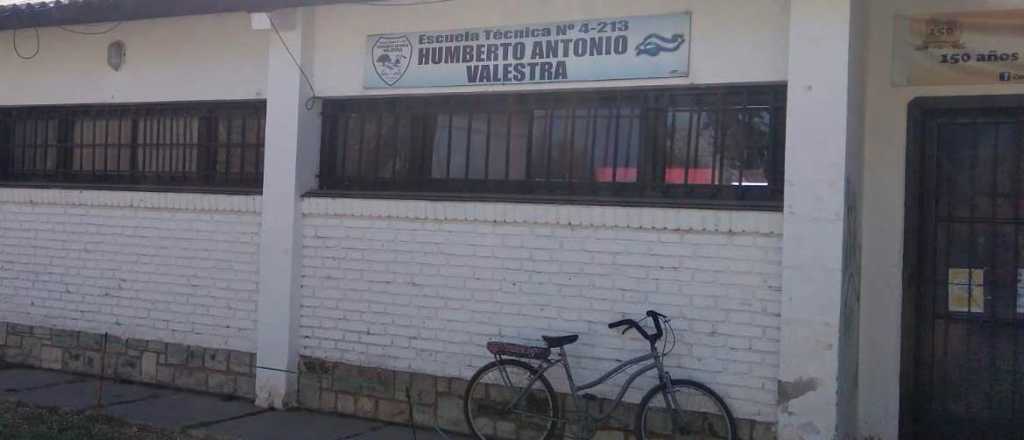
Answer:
(69, 12)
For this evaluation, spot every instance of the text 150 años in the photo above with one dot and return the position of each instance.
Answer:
(980, 57)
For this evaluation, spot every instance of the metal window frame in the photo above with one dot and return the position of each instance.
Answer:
(649, 120)
(191, 159)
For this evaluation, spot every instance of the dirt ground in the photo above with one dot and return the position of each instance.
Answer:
(23, 422)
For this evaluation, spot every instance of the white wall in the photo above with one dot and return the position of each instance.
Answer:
(718, 55)
(169, 267)
(423, 286)
(883, 210)
(206, 57)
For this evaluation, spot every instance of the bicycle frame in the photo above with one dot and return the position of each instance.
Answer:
(574, 390)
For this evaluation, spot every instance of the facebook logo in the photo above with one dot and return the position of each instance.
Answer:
(1005, 76)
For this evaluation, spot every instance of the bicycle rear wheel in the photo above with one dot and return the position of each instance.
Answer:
(498, 405)
(700, 415)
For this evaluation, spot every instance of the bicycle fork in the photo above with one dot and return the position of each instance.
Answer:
(671, 402)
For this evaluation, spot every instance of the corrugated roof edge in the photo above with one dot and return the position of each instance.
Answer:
(69, 12)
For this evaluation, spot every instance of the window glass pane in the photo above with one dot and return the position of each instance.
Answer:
(520, 129)
(229, 132)
(34, 146)
(602, 144)
(677, 146)
(253, 144)
(100, 145)
(478, 146)
(735, 139)
(702, 158)
(443, 132)
(354, 146)
(118, 152)
(370, 146)
(617, 142)
(147, 149)
(508, 146)
(383, 162)
(404, 147)
(499, 137)
(167, 145)
(560, 154)
(582, 134)
(451, 146)
(627, 148)
(550, 155)
(239, 143)
(744, 147)
(756, 164)
(181, 136)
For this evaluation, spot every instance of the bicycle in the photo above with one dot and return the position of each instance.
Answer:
(510, 399)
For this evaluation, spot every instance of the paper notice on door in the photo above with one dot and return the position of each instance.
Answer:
(1020, 291)
(967, 290)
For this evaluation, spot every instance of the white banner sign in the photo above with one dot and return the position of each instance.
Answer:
(584, 50)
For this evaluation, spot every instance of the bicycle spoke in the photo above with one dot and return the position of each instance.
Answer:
(697, 416)
(506, 403)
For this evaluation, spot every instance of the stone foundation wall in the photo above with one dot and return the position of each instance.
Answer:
(210, 370)
(382, 394)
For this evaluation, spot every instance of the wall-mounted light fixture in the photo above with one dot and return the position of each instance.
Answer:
(115, 55)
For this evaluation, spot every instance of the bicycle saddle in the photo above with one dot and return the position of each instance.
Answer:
(560, 341)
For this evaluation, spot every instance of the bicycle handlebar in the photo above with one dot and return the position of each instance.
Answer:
(634, 325)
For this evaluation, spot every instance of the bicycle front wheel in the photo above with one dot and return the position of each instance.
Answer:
(688, 411)
(508, 400)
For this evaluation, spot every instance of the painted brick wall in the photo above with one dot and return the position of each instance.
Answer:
(179, 268)
(422, 286)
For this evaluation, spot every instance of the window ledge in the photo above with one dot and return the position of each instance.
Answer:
(610, 213)
(188, 199)
(135, 188)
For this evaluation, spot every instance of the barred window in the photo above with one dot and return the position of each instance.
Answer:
(682, 146)
(187, 145)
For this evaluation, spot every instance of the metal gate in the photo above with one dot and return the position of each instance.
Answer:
(968, 312)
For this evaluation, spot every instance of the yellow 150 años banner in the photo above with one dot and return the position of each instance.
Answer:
(959, 48)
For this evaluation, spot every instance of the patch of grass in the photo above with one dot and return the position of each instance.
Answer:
(22, 422)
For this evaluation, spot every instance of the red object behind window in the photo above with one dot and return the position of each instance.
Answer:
(620, 174)
(673, 176)
(678, 176)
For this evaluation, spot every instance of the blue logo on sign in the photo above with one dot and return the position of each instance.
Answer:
(654, 44)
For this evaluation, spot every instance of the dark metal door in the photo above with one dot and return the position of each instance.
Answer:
(969, 323)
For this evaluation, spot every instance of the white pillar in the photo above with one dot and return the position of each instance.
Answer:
(292, 146)
(817, 382)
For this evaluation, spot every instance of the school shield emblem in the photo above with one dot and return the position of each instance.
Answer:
(391, 57)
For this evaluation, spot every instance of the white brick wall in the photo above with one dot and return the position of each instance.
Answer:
(171, 267)
(422, 286)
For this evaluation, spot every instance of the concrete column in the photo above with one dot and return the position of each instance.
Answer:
(292, 147)
(817, 382)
